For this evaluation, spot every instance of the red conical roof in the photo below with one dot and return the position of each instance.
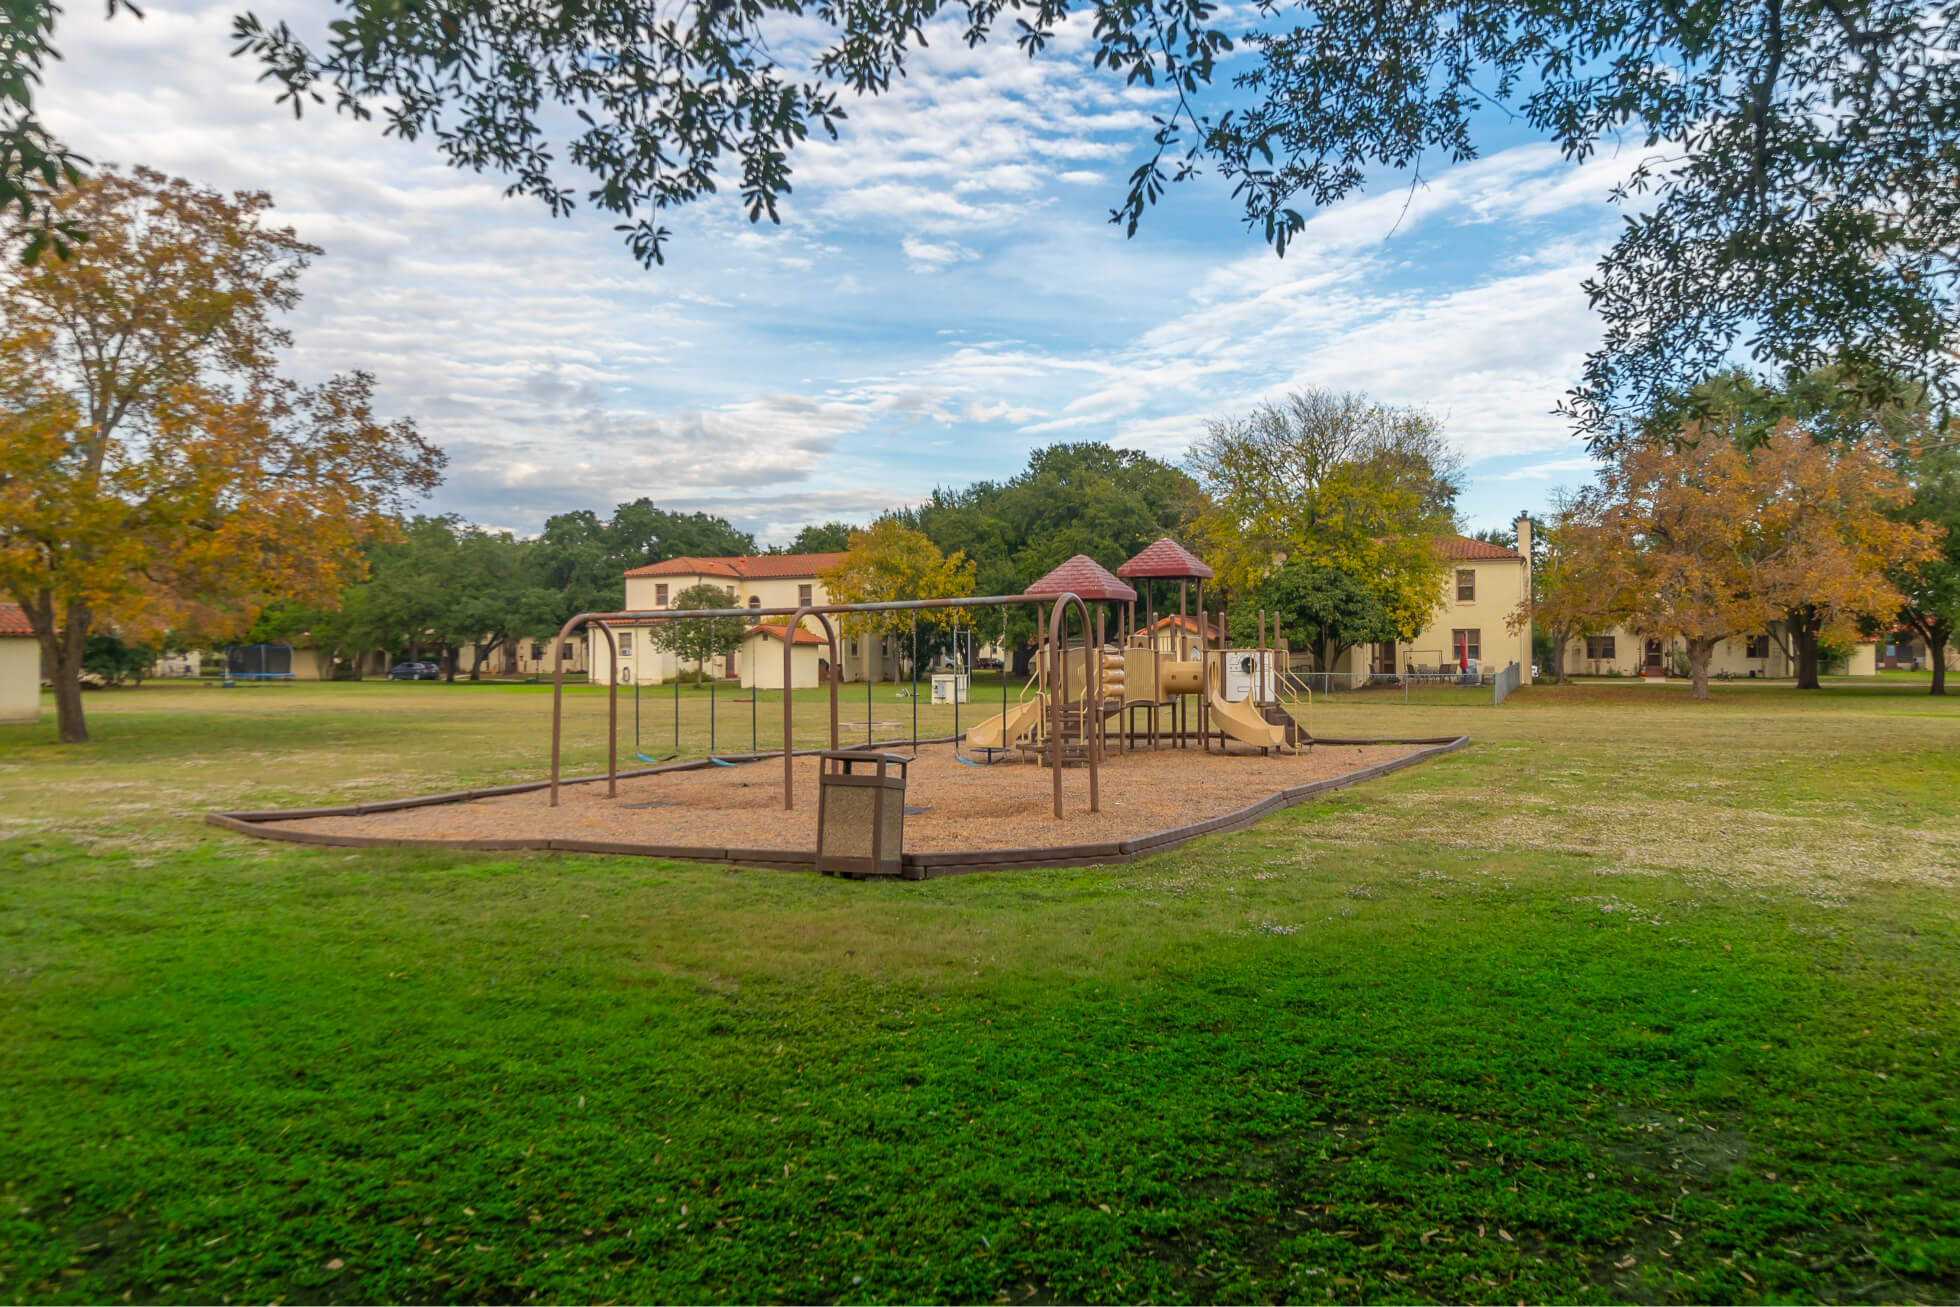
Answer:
(1083, 577)
(1166, 560)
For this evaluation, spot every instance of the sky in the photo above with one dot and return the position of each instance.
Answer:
(944, 295)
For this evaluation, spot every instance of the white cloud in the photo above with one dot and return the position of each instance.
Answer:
(944, 293)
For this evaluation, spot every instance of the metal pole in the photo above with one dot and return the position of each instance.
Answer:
(915, 687)
(711, 716)
(677, 707)
(1204, 671)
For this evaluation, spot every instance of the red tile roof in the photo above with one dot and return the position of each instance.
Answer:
(1166, 559)
(1189, 624)
(804, 635)
(753, 567)
(13, 621)
(1083, 577)
(1464, 549)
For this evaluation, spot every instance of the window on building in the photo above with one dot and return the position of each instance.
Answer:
(660, 595)
(1466, 584)
(1467, 645)
(625, 644)
(1599, 648)
(566, 652)
(755, 601)
(1757, 646)
(731, 593)
(803, 596)
(537, 650)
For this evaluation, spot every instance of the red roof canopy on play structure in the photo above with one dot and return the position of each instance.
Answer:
(1083, 577)
(1166, 560)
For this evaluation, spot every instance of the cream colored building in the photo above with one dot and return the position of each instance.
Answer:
(756, 581)
(20, 668)
(1769, 654)
(1483, 585)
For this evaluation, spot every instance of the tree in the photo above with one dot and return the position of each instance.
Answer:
(1333, 482)
(1885, 413)
(1332, 610)
(1931, 586)
(822, 538)
(496, 597)
(155, 471)
(1785, 198)
(115, 661)
(890, 561)
(585, 558)
(700, 640)
(1082, 498)
(1712, 540)
(1577, 581)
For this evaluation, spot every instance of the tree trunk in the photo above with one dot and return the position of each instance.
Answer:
(64, 650)
(1699, 652)
(1557, 659)
(1804, 623)
(483, 652)
(1936, 650)
(1023, 656)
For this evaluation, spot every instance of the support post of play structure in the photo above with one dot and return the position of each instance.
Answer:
(1204, 671)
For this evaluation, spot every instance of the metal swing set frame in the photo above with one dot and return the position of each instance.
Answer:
(1057, 629)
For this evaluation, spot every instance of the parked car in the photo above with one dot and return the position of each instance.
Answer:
(986, 664)
(415, 672)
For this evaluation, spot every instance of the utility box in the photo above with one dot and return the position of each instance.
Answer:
(949, 687)
(861, 813)
(1248, 673)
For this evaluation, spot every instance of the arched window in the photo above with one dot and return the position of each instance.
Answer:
(755, 601)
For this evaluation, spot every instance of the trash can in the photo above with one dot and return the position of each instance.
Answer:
(860, 813)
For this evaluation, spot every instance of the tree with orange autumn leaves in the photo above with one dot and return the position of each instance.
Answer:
(155, 470)
(1703, 539)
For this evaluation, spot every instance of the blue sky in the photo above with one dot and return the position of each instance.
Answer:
(945, 292)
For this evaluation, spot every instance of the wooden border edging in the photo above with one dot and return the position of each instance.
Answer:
(952, 862)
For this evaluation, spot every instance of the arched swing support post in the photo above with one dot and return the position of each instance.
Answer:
(789, 700)
(1092, 694)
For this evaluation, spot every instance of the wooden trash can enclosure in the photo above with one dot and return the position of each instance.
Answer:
(860, 813)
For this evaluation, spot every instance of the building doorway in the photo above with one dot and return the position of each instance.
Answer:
(1654, 665)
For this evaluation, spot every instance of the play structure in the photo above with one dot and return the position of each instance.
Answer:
(1161, 687)
(1168, 683)
(1187, 731)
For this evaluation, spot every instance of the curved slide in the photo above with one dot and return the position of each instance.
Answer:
(1002, 729)
(1244, 723)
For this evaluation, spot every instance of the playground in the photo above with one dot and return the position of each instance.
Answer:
(957, 817)
(1133, 735)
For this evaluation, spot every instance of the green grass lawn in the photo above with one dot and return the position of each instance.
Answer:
(1634, 999)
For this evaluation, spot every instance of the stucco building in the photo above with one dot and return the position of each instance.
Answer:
(1483, 585)
(20, 667)
(753, 581)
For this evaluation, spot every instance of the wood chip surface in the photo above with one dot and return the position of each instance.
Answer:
(1004, 806)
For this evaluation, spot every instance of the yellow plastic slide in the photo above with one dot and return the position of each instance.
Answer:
(1243, 722)
(1002, 729)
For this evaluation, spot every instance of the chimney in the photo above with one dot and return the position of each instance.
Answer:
(1523, 525)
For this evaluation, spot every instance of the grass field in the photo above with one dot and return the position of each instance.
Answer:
(1635, 999)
